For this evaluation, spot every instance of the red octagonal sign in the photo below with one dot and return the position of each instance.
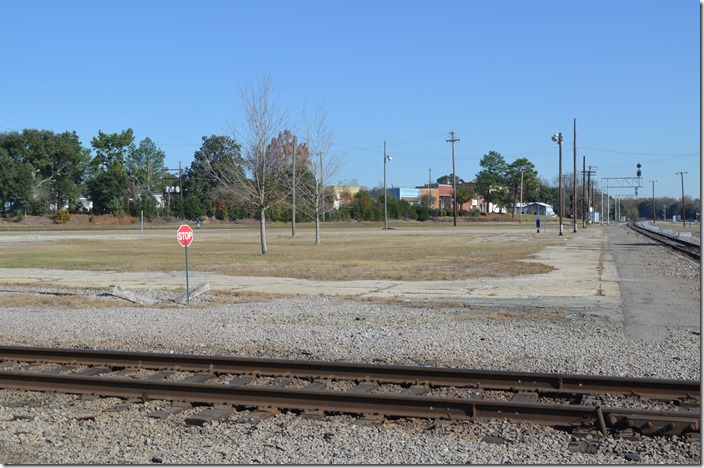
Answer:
(184, 235)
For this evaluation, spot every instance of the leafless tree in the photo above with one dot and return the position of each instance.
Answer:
(258, 175)
(324, 164)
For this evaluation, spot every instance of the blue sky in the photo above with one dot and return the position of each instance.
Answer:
(505, 75)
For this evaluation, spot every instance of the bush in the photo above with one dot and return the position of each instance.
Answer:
(423, 213)
(62, 217)
(221, 209)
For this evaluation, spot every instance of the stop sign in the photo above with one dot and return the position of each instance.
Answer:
(184, 235)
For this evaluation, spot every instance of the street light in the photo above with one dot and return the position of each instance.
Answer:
(682, 177)
(558, 139)
(387, 157)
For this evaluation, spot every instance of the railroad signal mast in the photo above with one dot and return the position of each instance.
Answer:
(618, 183)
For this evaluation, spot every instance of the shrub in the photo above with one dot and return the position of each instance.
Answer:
(423, 213)
(62, 217)
(221, 209)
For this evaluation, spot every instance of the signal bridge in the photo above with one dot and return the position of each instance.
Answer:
(608, 183)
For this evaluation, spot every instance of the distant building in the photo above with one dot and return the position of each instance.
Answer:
(344, 194)
(411, 195)
(441, 196)
(84, 204)
(537, 208)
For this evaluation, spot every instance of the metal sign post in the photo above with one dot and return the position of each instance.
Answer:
(184, 235)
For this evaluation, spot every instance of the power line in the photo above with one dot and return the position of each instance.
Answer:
(641, 154)
(419, 139)
(376, 149)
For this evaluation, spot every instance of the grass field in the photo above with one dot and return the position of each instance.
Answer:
(409, 251)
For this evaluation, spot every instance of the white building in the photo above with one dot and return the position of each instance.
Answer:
(537, 208)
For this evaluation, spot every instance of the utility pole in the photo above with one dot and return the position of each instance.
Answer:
(386, 158)
(590, 197)
(682, 177)
(520, 214)
(454, 177)
(574, 182)
(653, 181)
(430, 190)
(584, 168)
(590, 188)
(293, 212)
(180, 187)
(322, 186)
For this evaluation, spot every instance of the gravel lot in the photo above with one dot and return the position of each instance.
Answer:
(544, 336)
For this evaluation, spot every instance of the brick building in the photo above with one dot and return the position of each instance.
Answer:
(441, 196)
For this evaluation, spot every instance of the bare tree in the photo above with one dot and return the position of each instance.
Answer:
(258, 175)
(324, 164)
(298, 160)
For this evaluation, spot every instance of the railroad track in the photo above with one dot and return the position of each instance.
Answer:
(680, 245)
(577, 402)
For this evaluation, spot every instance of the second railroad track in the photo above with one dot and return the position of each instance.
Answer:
(650, 407)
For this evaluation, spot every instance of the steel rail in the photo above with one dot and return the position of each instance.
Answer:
(414, 375)
(681, 246)
(648, 422)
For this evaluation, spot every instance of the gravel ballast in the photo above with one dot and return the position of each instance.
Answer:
(62, 429)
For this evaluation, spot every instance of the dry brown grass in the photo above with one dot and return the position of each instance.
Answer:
(418, 252)
(60, 301)
(81, 300)
(528, 313)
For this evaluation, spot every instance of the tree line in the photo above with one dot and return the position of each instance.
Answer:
(45, 171)
(665, 208)
(262, 170)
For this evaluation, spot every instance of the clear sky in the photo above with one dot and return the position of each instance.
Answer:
(505, 75)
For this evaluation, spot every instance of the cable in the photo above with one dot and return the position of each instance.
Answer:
(641, 154)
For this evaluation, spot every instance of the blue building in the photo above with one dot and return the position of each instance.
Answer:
(411, 195)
